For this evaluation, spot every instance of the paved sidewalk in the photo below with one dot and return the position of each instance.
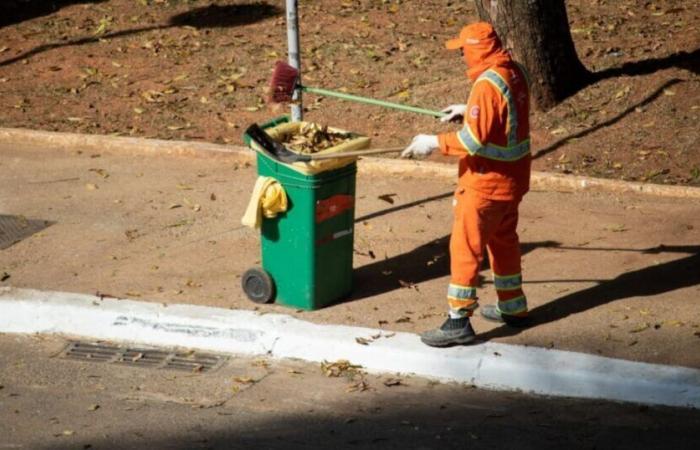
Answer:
(47, 402)
(605, 274)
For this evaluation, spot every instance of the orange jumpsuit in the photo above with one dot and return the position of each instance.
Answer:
(494, 174)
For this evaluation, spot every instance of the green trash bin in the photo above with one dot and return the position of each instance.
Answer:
(306, 251)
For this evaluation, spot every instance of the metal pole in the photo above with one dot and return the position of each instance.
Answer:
(294, 55)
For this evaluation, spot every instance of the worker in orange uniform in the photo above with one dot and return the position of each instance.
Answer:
(494, 173)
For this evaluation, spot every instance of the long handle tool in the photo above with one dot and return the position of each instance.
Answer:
(282, 153)
(285, 79)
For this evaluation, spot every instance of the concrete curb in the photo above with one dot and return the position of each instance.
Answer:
(120, 145)
(488, 365)
(544, 181)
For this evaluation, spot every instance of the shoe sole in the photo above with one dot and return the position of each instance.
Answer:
(515, 323)
(493, 319)
(460, 341)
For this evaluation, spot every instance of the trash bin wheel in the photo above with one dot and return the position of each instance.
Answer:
(258, 285)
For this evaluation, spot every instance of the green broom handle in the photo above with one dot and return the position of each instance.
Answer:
(372, 101)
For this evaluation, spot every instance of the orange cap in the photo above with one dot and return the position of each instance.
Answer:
(474, 34)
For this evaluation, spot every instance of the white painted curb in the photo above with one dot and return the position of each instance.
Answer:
(489, 365)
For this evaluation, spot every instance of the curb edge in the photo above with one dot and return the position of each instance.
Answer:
(488, 365)
(545, 181)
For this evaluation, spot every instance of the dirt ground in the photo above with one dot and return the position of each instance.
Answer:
(47, 402)
(605, 274)
(199, 70)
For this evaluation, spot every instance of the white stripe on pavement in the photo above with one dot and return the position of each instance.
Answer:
(488, 365)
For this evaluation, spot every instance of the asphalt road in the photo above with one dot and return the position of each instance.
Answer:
(49, 402)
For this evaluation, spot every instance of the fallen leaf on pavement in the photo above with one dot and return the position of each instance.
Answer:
(101, 172)
(340, 367)
(93, 407)
(358, 386)
(261, 363)
(641, 327)
(408, 284)
(244, 380)
(619, 228)
(392, 382)
(387, 198)
(362, 341)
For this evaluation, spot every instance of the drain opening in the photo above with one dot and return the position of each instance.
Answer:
(142, 357)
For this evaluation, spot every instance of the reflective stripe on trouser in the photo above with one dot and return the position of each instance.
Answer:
(461, 299)
(511, 299)
(478, 224)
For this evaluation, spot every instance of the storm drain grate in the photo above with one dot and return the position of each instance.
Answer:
(142, 357)
(15, 228)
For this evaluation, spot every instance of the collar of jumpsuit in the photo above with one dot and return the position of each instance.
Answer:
(481, 47)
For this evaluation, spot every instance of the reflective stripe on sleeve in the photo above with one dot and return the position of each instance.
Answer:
(494, 78)
(490, 151)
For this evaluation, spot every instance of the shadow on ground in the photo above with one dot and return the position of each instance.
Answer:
(226, 16)
(420, 420)
(613, 120)
(212, 16)
(649, 281)
(684, 60)
(16, 11)
(424, 263)
(14, 229)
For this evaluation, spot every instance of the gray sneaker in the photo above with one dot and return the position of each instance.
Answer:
(452, 332)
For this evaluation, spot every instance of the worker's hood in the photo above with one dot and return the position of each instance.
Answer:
(481, 47)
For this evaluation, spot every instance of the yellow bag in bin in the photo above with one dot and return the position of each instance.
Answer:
(356, 142)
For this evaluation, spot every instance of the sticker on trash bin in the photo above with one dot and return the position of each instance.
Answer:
(333, 206)
(333, 237)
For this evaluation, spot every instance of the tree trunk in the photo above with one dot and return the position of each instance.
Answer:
(537, 34)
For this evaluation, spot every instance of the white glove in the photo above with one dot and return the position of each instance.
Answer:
(453, 113)
(421, 146)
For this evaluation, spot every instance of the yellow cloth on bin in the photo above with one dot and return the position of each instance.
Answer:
(268, 200)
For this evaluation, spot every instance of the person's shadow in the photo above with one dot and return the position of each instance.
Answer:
(424, 263)
(649, 281)
(431, 261)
